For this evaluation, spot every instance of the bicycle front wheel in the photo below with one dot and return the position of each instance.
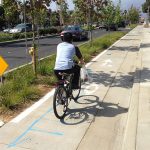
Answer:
(60, 102)
(76, 92)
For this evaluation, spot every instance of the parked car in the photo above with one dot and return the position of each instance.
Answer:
(122, 24)
(113, 27)
(77, 32)
(21, 28)
(101, 26)
(6, 30)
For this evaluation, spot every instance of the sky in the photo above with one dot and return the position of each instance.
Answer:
(125, 4)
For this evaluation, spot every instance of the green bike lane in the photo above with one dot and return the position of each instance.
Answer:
(96, 121)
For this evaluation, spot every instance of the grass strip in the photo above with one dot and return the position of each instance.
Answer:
(21, 86)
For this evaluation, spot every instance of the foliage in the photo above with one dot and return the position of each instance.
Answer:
(133, 15)
(83, 9)
(55, 18)
(18, 88)
(108, 14)
(145, 6)
(111, 14)
(48, 31)
(2, 21)
(63, 7)
(10, 11)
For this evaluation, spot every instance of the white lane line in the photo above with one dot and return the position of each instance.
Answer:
(32, 108)
(48, 95)
(95, 58)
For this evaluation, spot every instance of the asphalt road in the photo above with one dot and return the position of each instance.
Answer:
(16, 54)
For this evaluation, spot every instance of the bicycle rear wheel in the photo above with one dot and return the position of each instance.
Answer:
(76, 92)
(60, 102)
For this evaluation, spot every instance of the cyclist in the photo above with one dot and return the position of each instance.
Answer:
(64, 59)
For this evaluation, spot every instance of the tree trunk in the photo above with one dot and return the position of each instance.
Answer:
(34, 60)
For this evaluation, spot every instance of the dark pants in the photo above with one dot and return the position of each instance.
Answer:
(75, 70)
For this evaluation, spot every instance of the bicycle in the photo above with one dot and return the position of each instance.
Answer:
(63, 94)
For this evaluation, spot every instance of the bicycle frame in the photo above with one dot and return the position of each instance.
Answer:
(67, 83)
(63, 94)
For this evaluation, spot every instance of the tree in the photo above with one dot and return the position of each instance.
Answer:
(108, 14)
(133, 15)
(10, 11)
(63, 7)
(1, 11)
(2, 21)
(118, 17)
(145, 6)
(33, 8)
(86, 9)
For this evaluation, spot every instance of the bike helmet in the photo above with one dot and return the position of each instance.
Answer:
(67, 37)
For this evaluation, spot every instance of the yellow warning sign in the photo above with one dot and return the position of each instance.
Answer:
(3, 66)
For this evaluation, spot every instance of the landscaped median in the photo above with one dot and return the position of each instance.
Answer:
(21, 88)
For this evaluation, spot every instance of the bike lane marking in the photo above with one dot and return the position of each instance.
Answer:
(20, 140)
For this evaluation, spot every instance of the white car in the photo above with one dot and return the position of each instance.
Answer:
(6, 30)
(21, 28)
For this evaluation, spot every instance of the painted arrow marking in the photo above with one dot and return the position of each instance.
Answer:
(107, 62)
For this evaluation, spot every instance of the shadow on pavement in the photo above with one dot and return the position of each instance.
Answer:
(122, 80)
(93, 108)
(145, 75)
(145, 45)
(127, 48)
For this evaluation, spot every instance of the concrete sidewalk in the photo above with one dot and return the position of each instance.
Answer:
(112, 112)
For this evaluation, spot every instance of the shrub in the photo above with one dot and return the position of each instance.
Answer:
(48, 31)
(5, 37)
(29, 93)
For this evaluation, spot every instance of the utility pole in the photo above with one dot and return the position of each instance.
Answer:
(125, 12)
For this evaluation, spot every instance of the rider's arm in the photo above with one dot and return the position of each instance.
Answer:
(79, 55)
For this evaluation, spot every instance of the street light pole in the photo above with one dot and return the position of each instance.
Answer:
(125, 12)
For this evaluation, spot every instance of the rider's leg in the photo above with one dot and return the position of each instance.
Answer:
(76, 71)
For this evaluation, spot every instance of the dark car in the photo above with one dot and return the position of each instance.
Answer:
(113, 27)
(21, 28)
(77, 32)
(122, 24)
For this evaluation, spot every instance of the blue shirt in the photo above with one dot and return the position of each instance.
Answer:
(64, 56)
